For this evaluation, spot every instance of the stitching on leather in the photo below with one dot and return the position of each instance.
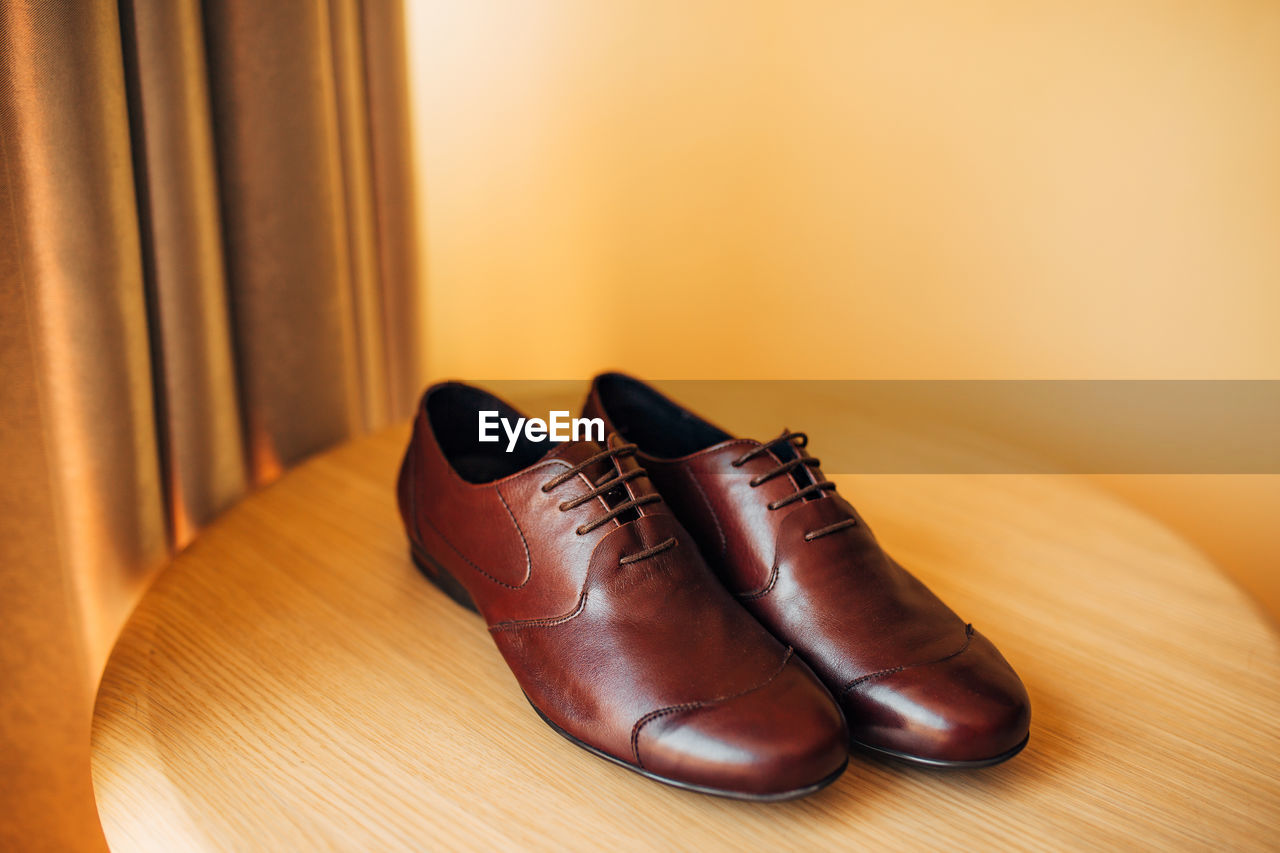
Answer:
(689, 706)
(716, 448)
(724, 541)
(764, 590)
(549, 621)
(752, 595)
(968, 637)
(528, 559)
(528, 555)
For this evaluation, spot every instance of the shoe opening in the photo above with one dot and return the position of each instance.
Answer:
(453, 411)
(653, 423)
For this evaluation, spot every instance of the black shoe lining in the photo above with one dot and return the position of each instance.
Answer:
(453, 411)
(653, 423)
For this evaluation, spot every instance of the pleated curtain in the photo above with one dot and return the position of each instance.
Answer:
(207, 273)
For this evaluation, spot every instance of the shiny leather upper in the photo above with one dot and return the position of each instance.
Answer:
(650, 661)
(911, 676)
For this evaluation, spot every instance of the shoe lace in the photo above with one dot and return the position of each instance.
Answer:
(797, 440)
(610, 480)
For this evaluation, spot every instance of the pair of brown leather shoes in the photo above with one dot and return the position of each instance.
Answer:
(592, 574)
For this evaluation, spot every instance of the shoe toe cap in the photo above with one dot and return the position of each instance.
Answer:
(970, 707)
(779, 739)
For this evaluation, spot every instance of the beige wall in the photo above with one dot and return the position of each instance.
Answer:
(862, 190)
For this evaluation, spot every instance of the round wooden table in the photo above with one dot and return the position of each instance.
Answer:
(291, 683)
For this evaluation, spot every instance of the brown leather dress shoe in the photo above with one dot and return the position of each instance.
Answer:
(618, 633)
(915, 681)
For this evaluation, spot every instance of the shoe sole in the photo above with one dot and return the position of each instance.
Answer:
(939, 764)
(440, 577)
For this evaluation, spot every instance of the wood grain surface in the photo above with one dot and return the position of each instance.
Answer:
(291, 683)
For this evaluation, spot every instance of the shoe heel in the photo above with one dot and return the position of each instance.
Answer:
(441, 578)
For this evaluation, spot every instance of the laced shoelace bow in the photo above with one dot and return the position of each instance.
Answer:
(609, 481)
(817, 487)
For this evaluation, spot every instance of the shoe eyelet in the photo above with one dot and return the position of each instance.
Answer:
(773, 504)
(563, 506)
(580, 531)
(737, 463)
(545, 490)
(755, 481)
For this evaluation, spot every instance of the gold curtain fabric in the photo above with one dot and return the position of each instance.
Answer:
(206, 274)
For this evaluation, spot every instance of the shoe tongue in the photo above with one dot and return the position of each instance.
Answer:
(785, 452)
